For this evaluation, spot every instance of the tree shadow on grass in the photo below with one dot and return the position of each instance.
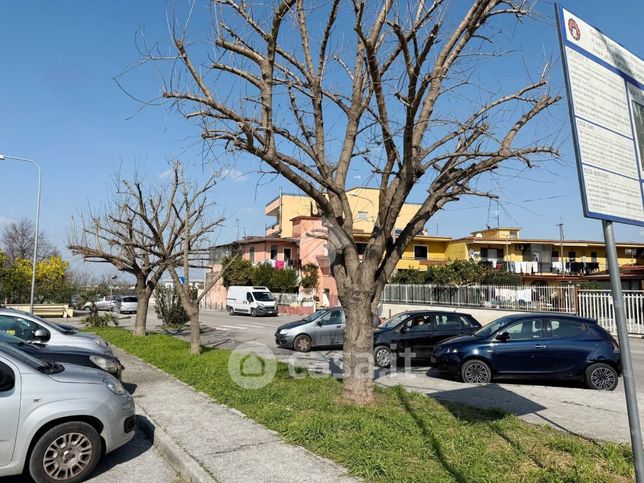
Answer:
(430, 437)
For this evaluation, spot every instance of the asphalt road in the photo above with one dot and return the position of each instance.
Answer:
(136, 462)
(223, 330)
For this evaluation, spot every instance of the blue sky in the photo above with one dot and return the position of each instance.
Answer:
(60, 105)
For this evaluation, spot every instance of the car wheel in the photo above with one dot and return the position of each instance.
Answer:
(231, 311)
(382, 356)
(601, 377)
(66, 453)
(476, 371)
(302, 343)
(253, 313)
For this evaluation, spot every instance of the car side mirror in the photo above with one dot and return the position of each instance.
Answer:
(503, 336)
(319, 322)
(42, 335)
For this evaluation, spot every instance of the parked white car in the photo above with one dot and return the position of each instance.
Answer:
(250, 300)
(57, 420)
(128, 305)
(29, 327)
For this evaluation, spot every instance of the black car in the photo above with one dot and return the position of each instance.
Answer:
(417, 332)
(530, 346)
(69, 355)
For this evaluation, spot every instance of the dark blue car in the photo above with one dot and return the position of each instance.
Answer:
(529, 346)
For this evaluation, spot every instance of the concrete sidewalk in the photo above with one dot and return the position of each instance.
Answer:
(215, 440)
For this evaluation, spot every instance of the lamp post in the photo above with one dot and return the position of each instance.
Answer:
(35, 256)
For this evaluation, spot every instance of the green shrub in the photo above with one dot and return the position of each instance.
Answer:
(310, 276)
(240, 272)
(102, 320)
(169, 307)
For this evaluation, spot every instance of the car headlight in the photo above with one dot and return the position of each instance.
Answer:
(452, 350)
(115, 386)
(105, 364)
(283, 331)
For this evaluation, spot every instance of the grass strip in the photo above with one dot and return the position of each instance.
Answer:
(404, 437)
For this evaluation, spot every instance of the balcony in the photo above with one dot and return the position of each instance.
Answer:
(273, 207)
(273, 230)
(544, 268)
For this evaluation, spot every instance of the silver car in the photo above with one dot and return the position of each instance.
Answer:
(128, 304)
(324, 327)
(32, 328)
(108, 302)
(58, 420)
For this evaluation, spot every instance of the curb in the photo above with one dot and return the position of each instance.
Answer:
(181, 461)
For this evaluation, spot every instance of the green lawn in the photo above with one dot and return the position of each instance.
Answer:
(404, 437)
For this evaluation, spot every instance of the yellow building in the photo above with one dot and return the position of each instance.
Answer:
(538, 261)
(363, 202)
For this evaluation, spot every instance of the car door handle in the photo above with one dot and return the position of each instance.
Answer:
(540, 346)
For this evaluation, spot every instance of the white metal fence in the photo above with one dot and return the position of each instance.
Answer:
(286, 298)
(561, 299)
(598, 304)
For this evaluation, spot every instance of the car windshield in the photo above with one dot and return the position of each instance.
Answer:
(46, 367)
(10, 339)
(492, 327)
(394, 321)
(263, 296)
(31, 317)
(314, 316)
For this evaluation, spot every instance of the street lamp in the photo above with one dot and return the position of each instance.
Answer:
(33, 268)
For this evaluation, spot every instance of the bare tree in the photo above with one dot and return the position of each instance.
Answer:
(18, 241)
(113, 235)
(178, 219)
(316, 89)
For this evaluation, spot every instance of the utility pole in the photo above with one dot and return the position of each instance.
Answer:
(561, 239)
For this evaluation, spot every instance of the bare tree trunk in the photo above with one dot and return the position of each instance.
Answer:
(358, 351)
(143, 298)
(195, 336)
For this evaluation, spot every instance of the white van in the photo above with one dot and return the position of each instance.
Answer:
(250, 300)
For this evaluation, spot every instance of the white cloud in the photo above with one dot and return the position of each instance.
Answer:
(233, 174)
(165, 174)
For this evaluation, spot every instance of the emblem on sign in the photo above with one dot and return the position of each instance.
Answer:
(573, 28)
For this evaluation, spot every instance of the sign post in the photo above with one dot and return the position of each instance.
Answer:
(605, 84)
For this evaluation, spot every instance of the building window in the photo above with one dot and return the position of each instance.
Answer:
(555, 255)
(361, 247)
(287, 254)
(362, 215)
(572, 256)
(420, 252)
(251, 254)
(273, 252)
(593, 256)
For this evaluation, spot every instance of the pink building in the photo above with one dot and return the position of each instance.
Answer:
(307, 244)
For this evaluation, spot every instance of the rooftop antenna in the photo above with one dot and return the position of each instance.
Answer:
(561, 240)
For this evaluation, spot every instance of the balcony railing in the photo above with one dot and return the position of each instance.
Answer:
(540, 268)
